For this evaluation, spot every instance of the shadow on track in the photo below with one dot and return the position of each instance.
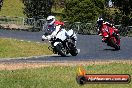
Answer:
(111, 50)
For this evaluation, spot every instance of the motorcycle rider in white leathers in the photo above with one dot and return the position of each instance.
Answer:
(55, 27)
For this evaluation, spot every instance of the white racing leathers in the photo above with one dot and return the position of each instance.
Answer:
(62, 42)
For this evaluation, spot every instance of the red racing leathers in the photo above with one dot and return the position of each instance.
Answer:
(107, 31)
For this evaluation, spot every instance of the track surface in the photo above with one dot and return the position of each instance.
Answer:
(91, 48)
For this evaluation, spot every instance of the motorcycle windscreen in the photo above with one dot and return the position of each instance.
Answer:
(48, 30)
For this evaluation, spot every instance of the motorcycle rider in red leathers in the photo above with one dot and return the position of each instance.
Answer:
(101, 25)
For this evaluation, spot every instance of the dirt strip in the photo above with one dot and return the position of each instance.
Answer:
(14, 66)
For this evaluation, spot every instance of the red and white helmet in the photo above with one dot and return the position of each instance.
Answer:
(50, 20)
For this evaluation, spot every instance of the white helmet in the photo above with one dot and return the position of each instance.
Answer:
(50, 20)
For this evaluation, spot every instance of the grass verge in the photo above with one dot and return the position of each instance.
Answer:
(61, 76)
(13, 8)
(10, 48)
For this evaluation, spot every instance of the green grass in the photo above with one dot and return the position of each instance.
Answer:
(10, 48)
(13, 8)
(60, 76)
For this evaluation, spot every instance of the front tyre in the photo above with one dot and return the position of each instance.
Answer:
(72, 48)
(74, 52)
(61, 50)
(116, 46)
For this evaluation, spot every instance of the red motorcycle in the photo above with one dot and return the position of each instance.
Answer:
(110, 36)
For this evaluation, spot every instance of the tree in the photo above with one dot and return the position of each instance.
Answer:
(82, 10)
(124, 5)
(1, 4)
(37, 8)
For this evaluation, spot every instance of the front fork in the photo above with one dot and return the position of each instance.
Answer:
(117, 39)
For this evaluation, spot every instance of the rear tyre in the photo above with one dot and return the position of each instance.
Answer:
(60, 49)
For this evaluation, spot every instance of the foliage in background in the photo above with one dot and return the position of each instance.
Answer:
(70, 10)
(57, 8)
(1, 4)
(37, 8)
(125, 6)
(89, 10)
(124, 14)
(113, 15)
(82, 10)
(58, 4)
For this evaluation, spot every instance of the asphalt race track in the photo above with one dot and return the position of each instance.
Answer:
(91, 48)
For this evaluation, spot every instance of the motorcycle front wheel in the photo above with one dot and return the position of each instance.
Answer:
(74, 52)
(73, 49)
(61, 50)
(113, 43)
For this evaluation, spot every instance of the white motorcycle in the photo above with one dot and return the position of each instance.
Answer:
(64, 43)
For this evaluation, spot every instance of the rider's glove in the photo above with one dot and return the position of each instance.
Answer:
(49, 37)
(44, 37)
